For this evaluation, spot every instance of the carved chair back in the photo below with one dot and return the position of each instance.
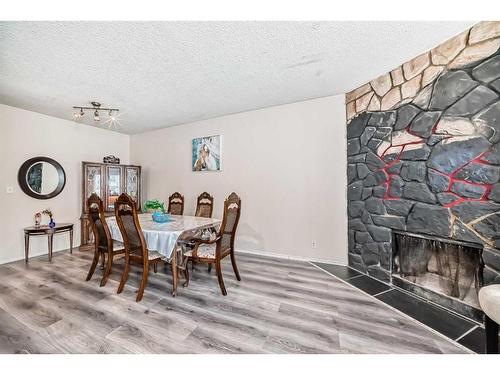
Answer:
(176, 204)
(130, 227)
(100, 228)
(230, 219)
(204, 205)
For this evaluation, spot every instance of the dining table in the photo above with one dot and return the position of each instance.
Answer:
(169, 238)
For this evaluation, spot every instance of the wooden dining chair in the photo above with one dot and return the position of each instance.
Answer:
(136, 250)
(212, 251)
(104, 243)
(176, 204)
(204, 205)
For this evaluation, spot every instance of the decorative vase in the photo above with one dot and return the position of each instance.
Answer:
(52, 223)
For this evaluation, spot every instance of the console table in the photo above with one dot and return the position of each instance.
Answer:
(45, 230)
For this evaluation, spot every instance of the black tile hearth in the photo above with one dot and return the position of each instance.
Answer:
(369, 285)
(441, 320)
(475, 340)
(342, 272)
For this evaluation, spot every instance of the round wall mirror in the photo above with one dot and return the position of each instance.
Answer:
(41, 178)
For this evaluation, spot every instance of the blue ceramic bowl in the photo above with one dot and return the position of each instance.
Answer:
(159, 217)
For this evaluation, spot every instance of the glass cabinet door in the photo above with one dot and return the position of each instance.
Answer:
(93, 180)
(114, 186)
(132, 183)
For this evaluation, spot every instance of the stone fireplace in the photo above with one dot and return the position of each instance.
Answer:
(423, 150)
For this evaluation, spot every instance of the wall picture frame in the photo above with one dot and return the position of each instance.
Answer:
(206, 154)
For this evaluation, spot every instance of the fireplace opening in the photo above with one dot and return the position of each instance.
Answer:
(447, 272)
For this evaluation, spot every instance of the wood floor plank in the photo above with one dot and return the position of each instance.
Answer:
(25, 309)
(18, 338)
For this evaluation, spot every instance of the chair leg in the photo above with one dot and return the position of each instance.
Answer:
(173, 267)
(186, 275)
(209, 267)
(124, 277)
(95, 260)
(107, 271)
(103, 260)
(491, 336)
(235, 269)
(219, 277)
(144, 280)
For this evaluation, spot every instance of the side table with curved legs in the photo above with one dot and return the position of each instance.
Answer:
(45, 230)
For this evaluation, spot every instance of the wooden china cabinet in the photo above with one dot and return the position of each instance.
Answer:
(108, 181)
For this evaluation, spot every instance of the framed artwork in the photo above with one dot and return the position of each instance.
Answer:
(206, 153)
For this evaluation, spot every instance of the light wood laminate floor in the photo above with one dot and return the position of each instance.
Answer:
(280, 306)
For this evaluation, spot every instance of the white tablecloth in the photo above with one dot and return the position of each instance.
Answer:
(163, 237)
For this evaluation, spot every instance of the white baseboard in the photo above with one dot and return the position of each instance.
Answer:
(11, 260)
(252, 252)
(285, 256)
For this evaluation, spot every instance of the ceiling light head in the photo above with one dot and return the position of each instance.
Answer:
(77, 115)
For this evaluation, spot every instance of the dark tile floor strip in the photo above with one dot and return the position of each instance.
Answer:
(474, 340)
(441, 320)
(369, 285)
(342, 272)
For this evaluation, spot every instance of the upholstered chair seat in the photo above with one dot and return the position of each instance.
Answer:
(204, 251)
(154, 255)
(117, 245)
(489, 300)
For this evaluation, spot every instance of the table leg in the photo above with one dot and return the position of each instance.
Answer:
(51, 242)
(173, 265)
(26, 247)
(71, 241)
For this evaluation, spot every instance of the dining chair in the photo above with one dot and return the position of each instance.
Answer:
(104, 243)
(136, 250)
(204, 205)
(176, 204)
(213, 250)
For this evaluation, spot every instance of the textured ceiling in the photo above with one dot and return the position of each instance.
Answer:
(167, 73)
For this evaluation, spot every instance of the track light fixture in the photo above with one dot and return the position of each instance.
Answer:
(96, 107)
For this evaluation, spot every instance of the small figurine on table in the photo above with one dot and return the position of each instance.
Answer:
(38, 219)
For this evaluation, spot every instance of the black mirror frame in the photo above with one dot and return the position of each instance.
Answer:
(21, 177)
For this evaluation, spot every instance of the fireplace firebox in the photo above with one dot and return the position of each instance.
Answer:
(445, 271)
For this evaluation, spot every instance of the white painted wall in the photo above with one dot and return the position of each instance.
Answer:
(288, 163)
(25, 134)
